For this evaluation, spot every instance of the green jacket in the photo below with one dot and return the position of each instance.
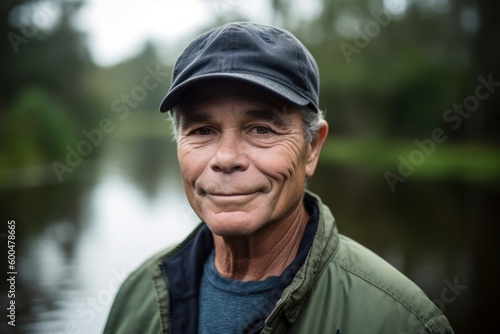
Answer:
(341, 288)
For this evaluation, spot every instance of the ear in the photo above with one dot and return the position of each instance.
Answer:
(314, 148)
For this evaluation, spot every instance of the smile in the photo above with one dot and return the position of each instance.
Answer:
(231, 195)
(233, 198)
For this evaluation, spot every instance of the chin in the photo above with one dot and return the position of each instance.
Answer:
(233, 224)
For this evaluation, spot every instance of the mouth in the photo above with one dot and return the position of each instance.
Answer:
(234, 192)
(231, 195)
(231, 191)
(227, 197)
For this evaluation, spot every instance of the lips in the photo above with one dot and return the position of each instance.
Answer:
(231, 188)
(228, 201)
(229, 191)
(230, 195)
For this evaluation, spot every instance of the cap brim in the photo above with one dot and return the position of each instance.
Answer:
(173, 96)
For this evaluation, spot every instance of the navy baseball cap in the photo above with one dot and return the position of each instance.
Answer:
(268, 57)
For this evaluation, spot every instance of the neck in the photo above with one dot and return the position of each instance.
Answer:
(263, 254)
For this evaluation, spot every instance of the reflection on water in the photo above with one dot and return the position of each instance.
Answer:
(122, 227)
(78, 241)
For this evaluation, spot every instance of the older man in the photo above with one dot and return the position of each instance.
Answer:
(267, 257)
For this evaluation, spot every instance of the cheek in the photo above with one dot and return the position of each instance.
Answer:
(191, 163)
(284, 161)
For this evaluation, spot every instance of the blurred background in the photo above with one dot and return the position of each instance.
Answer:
(88, 170)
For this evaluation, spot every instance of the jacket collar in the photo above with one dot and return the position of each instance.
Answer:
(323, 249)
(182, 270)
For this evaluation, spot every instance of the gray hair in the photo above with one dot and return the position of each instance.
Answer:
(311, 120)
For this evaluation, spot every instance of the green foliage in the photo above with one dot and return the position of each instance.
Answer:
(37, 129)
(473, 163)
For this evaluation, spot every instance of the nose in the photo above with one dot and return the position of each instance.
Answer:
(229, 157)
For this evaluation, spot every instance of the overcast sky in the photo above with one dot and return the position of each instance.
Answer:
(118, 29)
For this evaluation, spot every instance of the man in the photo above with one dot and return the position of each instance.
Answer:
(267, 257)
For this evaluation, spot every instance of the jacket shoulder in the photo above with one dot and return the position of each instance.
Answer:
(385, 290)
(136, 305)
(358, 291)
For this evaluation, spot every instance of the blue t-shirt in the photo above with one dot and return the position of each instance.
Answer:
(227, 306)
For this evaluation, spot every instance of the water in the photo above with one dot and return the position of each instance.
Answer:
(121, 229)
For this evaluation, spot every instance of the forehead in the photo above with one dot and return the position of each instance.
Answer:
(203, 96)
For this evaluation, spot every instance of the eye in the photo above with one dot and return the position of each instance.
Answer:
(261, 130)
(204, 131)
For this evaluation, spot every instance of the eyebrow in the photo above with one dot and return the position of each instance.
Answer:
(194, 118)
(270, 115)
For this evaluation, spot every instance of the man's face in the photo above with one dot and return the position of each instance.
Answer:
(243, 157)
